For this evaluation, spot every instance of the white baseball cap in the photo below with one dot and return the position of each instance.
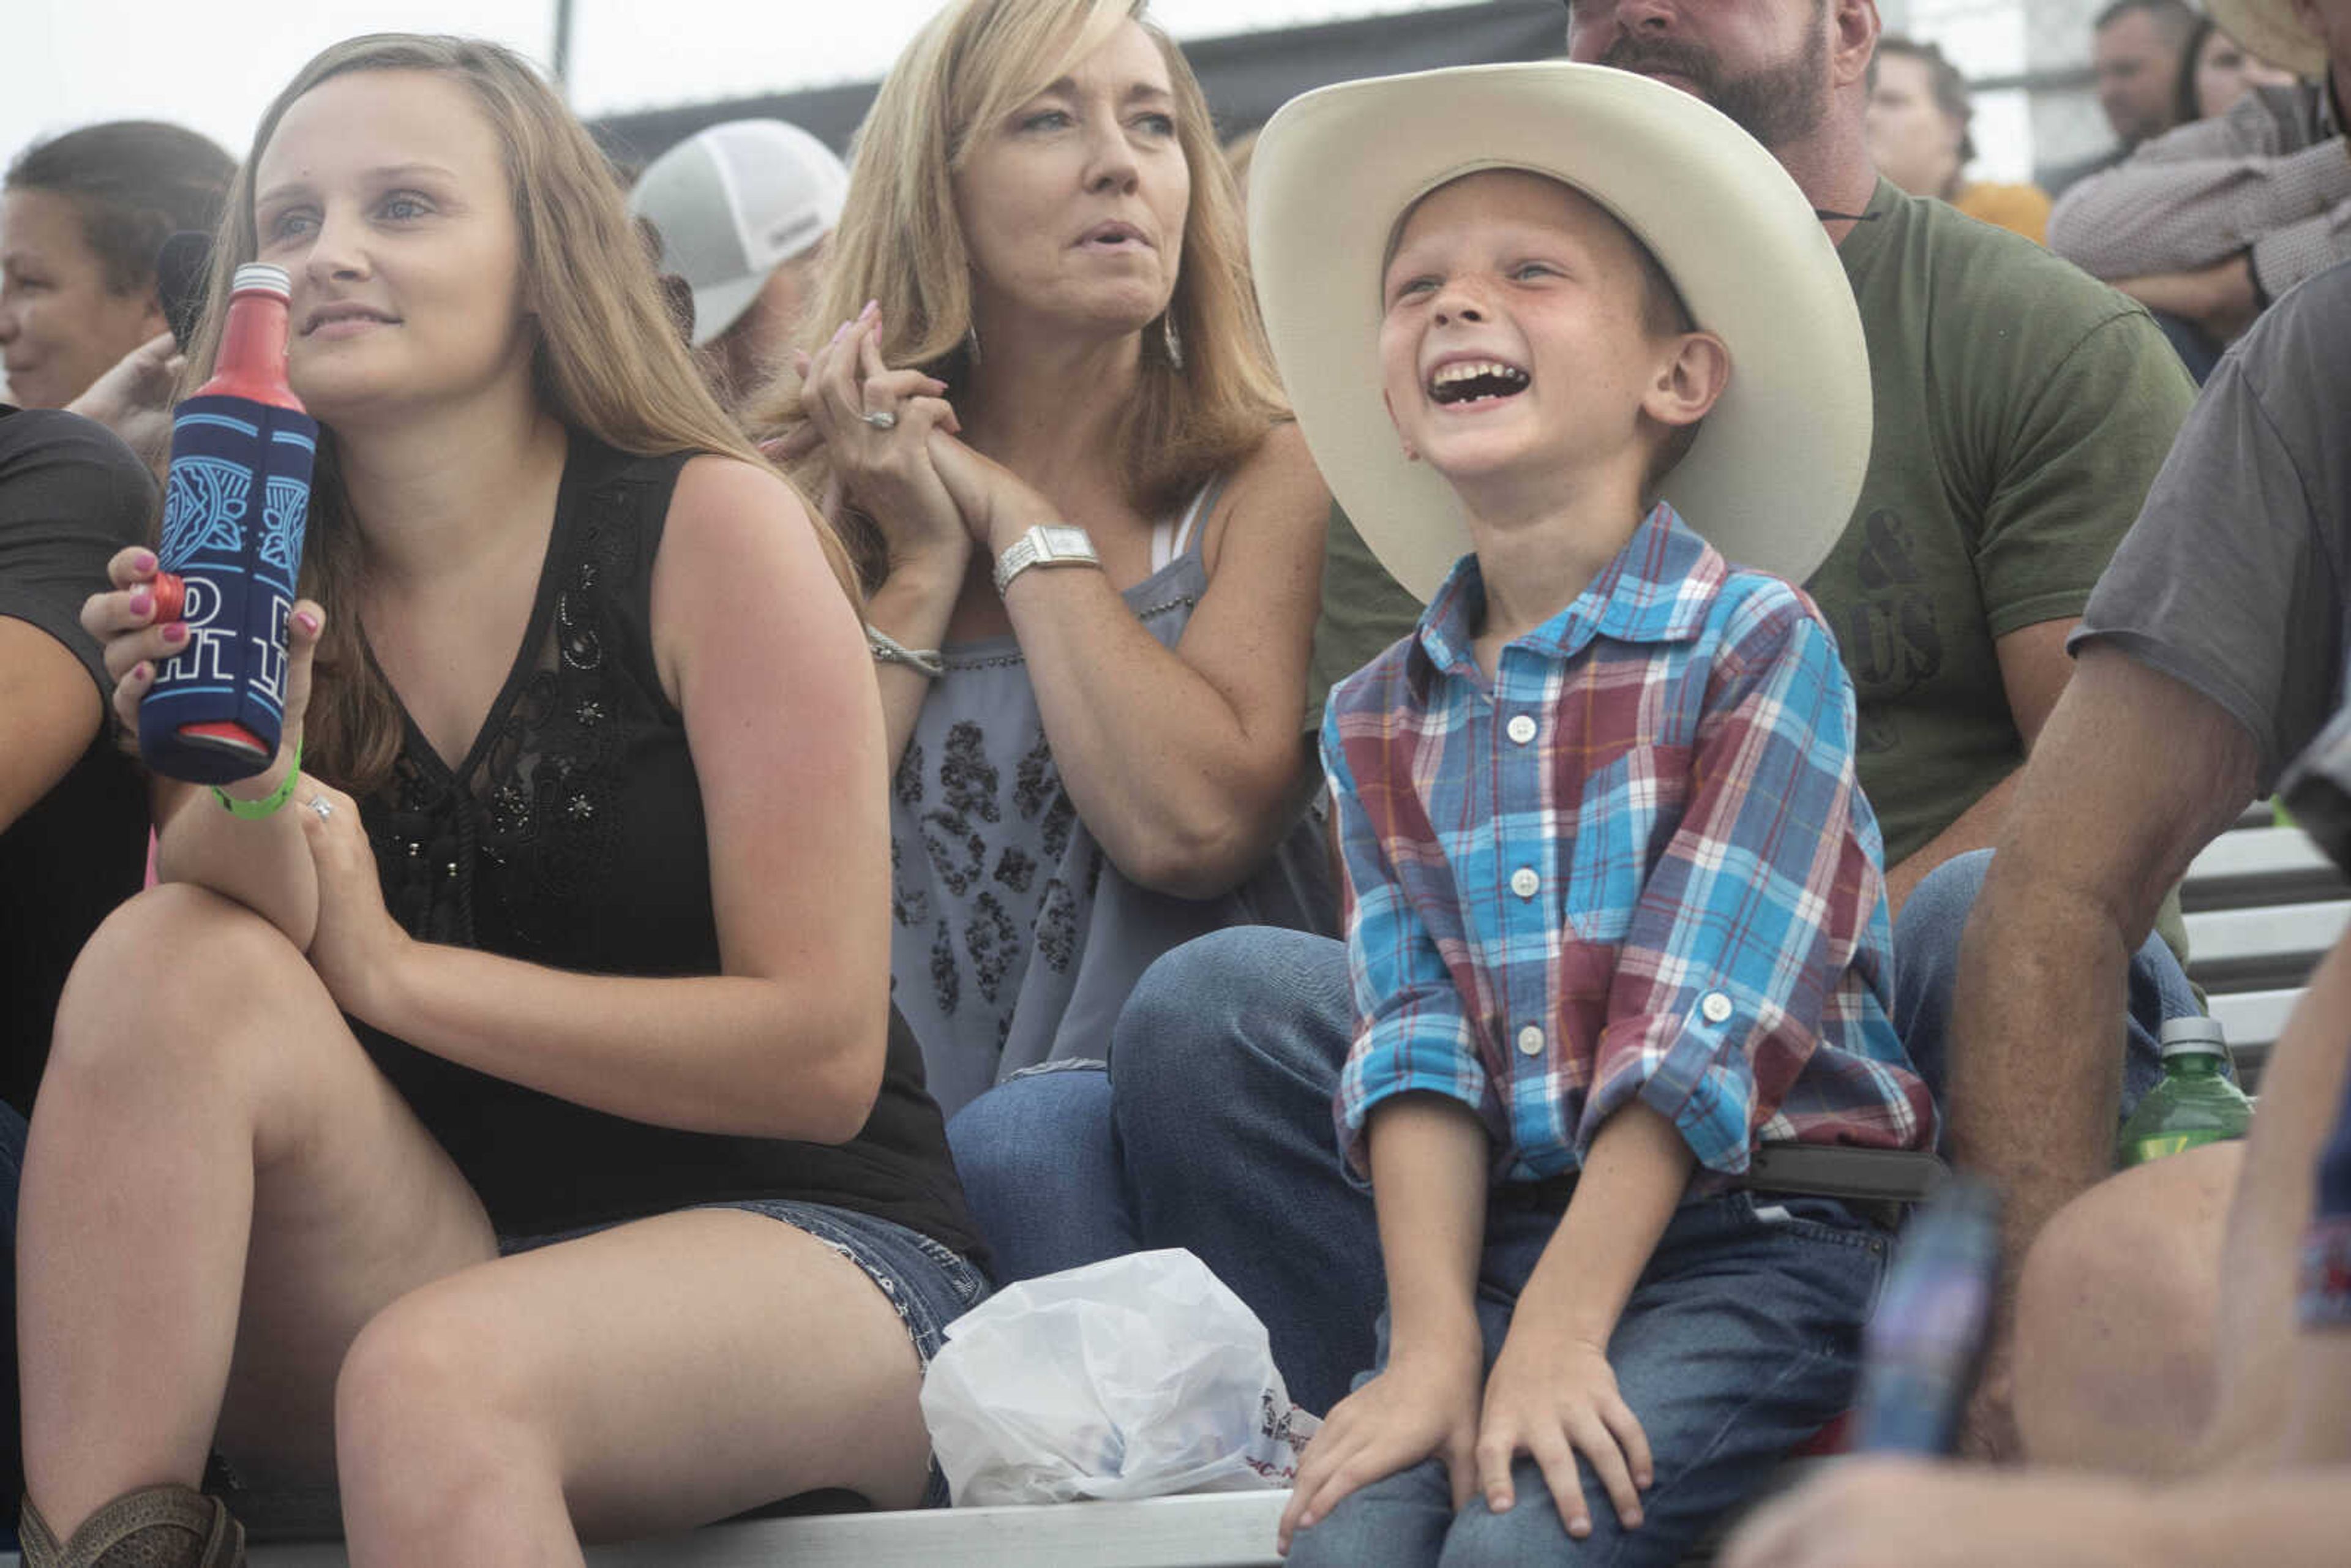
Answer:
(1773, 475)
(2276, 31)
(732, 202)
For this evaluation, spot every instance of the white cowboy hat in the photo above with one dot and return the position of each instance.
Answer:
(1776, 467)
(2270, 29)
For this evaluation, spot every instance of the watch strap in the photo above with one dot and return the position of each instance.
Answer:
(1046, 544)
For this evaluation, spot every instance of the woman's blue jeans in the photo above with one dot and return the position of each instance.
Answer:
(1210, 1131)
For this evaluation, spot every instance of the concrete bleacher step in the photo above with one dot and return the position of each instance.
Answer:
(2251, 1022)
(1225, 1530)
(2263, 948)
(2261, 865)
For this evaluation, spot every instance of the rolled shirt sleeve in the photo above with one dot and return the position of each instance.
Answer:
(1767, 900)
(1411, 1032)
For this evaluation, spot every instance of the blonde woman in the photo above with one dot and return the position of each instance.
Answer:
(497, 1110)
(1038, 398)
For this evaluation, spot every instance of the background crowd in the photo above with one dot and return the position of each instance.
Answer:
(502, 1132)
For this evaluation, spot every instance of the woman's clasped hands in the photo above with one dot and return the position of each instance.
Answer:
(897, 456)
(875, 424)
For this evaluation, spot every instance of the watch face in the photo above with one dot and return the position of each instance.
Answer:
(1065, 539)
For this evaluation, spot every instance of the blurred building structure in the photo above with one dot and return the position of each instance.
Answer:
(2029, 61)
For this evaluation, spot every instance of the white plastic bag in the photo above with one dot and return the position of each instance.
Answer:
(1135, 1377)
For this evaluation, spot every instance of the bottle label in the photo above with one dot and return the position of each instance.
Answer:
(2154, 1148)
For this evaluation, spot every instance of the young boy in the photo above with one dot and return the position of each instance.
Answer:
(1617, 911)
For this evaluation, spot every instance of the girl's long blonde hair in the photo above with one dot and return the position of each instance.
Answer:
(900, 242)
(608, 361)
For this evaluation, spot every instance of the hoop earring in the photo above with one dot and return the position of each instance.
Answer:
(1174, 339)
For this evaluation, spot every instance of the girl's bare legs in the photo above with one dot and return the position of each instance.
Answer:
(220, 1190)
(637, 1381)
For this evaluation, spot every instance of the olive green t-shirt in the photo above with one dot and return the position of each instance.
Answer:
(2022, 410)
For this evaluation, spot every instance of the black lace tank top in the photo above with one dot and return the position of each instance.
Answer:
(572, 835)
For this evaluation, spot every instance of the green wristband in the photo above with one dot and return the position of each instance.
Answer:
(254, 810)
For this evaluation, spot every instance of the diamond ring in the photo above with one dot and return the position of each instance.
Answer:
(324, 806)
(879, 419)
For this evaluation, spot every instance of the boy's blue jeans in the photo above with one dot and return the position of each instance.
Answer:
(1212, 1131)
(1741, 1340)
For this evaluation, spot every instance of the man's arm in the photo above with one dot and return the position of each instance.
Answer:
(2220, 297)
(2135, 772)
(2198, 195)
(2033, 669)
(49, 713)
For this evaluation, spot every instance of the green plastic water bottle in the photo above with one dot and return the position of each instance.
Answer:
(2195, 1103)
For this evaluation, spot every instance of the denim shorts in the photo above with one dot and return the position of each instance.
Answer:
(925, 1281)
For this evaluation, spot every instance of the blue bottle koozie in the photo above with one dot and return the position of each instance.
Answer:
(235, 505)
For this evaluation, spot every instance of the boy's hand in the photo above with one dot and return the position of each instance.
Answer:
(1554, 1397)
(1423, 1406)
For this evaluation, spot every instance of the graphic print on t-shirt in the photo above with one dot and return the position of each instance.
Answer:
(1892, 644)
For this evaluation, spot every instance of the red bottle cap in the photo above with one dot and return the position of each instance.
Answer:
(170, 597)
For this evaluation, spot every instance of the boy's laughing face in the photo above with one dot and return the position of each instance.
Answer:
(1512, 336)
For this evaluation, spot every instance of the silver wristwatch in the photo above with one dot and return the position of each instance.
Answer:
(1047, 544)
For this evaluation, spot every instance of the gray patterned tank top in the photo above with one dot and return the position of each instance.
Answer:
(1014, 940)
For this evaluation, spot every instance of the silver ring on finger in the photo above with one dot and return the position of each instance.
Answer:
(324, 806)
(879, 418)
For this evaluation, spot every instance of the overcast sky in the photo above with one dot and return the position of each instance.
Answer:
(214, 65)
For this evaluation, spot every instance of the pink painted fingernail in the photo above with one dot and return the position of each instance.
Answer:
(143, 602)
(308, 621)
(176, 633)
(143, 671)
(144, 561)
(873, 307)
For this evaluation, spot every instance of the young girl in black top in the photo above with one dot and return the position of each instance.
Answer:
(512, 1126)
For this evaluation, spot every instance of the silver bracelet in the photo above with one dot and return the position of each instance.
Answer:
(888, 650)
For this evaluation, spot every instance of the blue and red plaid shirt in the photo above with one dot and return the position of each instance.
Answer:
(1636, 865)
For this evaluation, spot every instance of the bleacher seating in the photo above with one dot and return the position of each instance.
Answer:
(2261, 907)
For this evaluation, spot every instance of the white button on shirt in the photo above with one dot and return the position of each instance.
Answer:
(1530, 1040)
(1525, 883)
(1521, 729)
(1716, 1007)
